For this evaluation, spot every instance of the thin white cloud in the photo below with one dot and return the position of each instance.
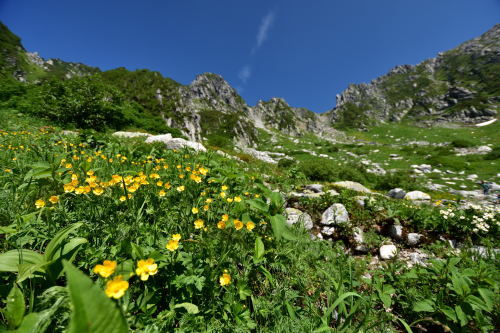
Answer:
(245, 73)
(265, 25)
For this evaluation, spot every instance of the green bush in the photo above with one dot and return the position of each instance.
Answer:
(84, 102)
(493, 155)
(401, 179)
(461, 143)
(285, 163)
(318, 170)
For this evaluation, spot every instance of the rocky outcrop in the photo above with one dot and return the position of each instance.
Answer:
(456, 86)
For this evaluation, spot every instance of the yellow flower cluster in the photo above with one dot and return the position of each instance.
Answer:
(173, 243)
(145, 268)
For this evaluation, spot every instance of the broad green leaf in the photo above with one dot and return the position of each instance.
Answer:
(31, 323)
(259, 250)
(9, 229)
(57, 242)
(10, 260)
(460, 285)
(290, 310)
(461, 315)
(477, 303)
(189, 307)
(267, 274)
(280, 229)
(14, 310)
(67, 252)
(258, 204)
(450, 313)
(92, 310)
(488, 296)
(29, 271)
(424, 306)
(339, 300)
(276, 201)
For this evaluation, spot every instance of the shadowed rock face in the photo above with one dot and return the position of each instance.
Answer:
(460, 85)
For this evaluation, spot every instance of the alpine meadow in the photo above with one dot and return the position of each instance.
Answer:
(130, 202)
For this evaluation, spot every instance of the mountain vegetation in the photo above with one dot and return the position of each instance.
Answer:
(114, 217)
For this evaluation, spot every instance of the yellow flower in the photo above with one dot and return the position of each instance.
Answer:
(206, 207)
(229, 200)
(159, 183)
(250, 226)
(98, 191)
(225, 279)
(180, 188)
(198, 224)
(68, 165)
(194, 210)
(238, 224)
(181, 176)
(221, 225)
(222, 194)
(172, 245)
(116, 288)
(122, 198)
(438, 203)
(167, 186)
(162, 193)
(145, 268)
(90, 173)
(224, 187)
(237, 199)
(176, 237)
(54, 199)
(40, 203)
(154, 176)
(225, 217)
(68, 188)
(209, 200)
(106, 269)
(8, 170)
(203, 171)
(257, 195)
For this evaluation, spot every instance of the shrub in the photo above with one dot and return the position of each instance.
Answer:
(318, 170)
(285, 163)
(493, 155)
(461, 143)
(401, 179)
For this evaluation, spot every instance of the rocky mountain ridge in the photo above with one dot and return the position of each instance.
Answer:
(460, 85)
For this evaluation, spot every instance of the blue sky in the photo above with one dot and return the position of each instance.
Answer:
(303, 51)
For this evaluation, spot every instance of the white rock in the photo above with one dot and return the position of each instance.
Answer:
(397, 193)
(333, 192)
(335, 214)
(327, 231)
(316, 188)
(264, 156)
(484, 149)
(417, 195)
(122, 134)
(396, 231)
(175, 143)
(69, 133)
(413, 238)
(358, 237)
(296, 216)
(388, 251)
(352, 186)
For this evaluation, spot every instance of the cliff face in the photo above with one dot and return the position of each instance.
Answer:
(459, 85)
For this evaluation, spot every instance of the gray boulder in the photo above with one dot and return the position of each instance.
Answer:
(397, 193)
(316, 188)
(417, 196)
(176, 143)
(296, 216)
(352, 186)
(335, 214)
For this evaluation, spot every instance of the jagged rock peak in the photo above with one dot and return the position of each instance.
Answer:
(213, 86)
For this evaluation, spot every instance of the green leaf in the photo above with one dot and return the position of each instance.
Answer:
(57, 242)
(67, 252)
(460, 285)
(339, 300)
(450, 313)
(276, 201)
(426, 305)
(259, 250)
(461, 315)
(92, 310)
(280, 229)
(189, 307)
(14, 310)
(10, 260)
(488, 297)
(31, 323)
(258, 204)
(243, 291)
(10, 229)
